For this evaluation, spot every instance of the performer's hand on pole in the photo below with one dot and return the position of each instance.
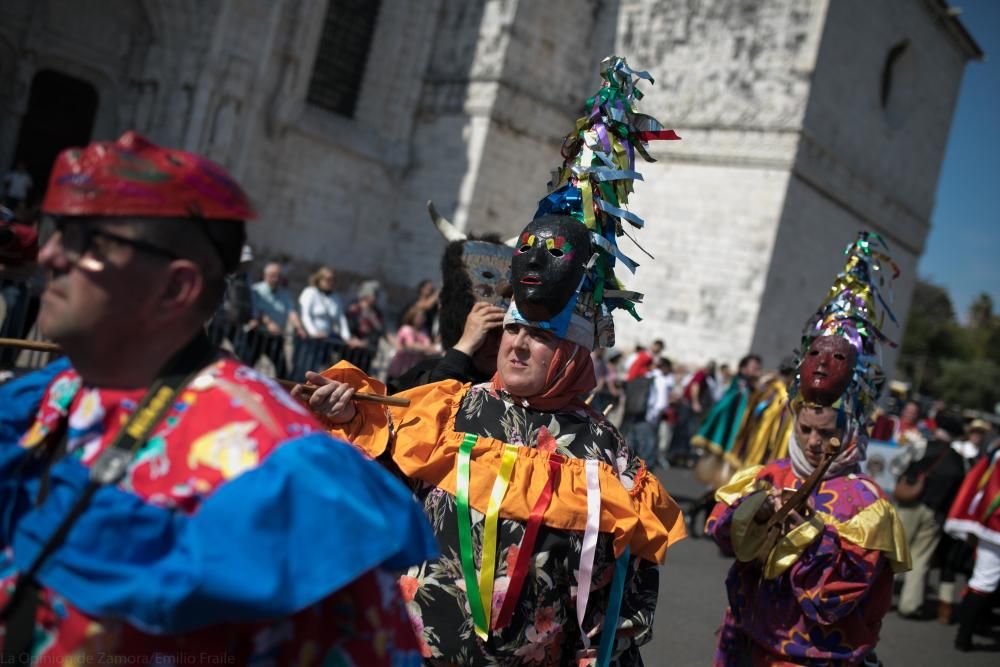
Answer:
(331, 400)
(482, 319)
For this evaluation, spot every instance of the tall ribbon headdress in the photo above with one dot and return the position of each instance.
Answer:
(592, 186)
(854, 311)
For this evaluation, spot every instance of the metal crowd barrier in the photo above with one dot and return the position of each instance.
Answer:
(282, 356)
(18, 310)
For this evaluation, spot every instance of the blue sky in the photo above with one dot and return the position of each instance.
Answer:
(963, 249)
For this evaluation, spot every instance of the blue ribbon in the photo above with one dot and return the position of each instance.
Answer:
(621, 213)
(614, 609)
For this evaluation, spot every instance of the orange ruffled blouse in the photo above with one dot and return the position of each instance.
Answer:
(422, 442)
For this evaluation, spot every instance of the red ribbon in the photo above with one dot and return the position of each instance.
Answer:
(527, 548)
(658, 134)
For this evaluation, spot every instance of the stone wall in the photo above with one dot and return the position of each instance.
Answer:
(788, 144)
(868, 159)
(733, 79)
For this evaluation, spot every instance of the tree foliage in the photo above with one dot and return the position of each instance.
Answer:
(957, 363)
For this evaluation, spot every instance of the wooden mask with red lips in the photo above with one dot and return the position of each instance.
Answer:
(827, 369)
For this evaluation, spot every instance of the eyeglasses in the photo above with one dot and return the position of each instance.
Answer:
(77, 238)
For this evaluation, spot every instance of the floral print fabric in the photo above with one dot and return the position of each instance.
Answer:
(226, 422)
(544, 628)
(827, 607)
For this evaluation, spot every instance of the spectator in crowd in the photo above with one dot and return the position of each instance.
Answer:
(632, 356)
(276, 310)
(940, 471)
(911, 433)
(723, 382)
(909, 429)
(325, 322)
(412, 342)
(17, 184)
(974, 444)
(366, 323)
(427, 302)
(636, 429)
(929, 423)
(235, 317)
(606, 391)
(695, 402)
(644, 361)
(646, 400)
(974, 517)
(18, 267)
(660, 398)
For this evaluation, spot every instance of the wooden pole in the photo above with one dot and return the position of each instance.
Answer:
(36, 345)
(42, 346)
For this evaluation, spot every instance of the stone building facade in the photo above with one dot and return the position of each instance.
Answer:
(803, 121)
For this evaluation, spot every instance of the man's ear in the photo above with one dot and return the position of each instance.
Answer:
(182, 289)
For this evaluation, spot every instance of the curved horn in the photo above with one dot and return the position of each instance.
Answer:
(447, 229)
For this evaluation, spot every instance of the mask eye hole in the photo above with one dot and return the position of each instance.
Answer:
(489, 275)
(840, 356)
(556, 252)
(813, 353)
(524, 248)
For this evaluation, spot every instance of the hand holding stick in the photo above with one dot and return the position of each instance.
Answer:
(797, 503)
(308, 388)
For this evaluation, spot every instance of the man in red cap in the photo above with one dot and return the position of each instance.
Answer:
(168, 501)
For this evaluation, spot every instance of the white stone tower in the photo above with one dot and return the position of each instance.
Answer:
(803, 122)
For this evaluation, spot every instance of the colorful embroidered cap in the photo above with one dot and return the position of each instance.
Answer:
(135, 177)
(590, 189)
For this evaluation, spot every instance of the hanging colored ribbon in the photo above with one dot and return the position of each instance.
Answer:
(621, 213)
(627, 295)
(589, 546)
(526, 549)
(669, 135)
(588, 203)
(612, 249)
(465, 531)
(614, 609)
(488, 566)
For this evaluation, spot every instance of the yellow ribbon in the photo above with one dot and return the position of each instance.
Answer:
(587, 196)
(489, 561)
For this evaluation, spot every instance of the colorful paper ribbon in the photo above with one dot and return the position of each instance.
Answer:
(488, 568)
(614, 609)
(589, 547)
(526, 549)
(465, 531)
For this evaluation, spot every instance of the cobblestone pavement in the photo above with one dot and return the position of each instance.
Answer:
(693, 597)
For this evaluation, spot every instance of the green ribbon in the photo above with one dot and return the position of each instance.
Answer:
(465, 531)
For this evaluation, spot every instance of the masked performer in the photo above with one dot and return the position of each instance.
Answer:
(717, 436)
(139, 500)
(767, 424)
(814, 569)
(718, 432)
(475, 294)
(550, 528)
(975, 516)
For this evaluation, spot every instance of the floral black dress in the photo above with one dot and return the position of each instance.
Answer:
(542, 625)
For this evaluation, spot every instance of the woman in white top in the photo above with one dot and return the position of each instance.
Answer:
(325, 321)
(323, 315)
